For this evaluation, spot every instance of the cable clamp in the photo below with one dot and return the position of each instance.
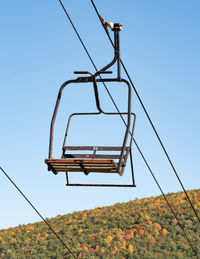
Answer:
(111, 25)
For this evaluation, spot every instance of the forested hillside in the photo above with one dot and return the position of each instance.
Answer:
(139, 229)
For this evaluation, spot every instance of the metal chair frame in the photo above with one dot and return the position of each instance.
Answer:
(95, 162)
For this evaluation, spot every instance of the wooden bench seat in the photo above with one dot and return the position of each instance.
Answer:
(82, 165)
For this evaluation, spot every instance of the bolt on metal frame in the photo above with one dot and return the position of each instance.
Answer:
(96, 163)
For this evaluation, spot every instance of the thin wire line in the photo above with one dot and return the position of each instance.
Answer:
(49, 226)
(133, 139)
(152, 125)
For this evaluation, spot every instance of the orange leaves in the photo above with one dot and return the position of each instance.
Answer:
(158, 227)
(30, 227)
(109, 239)
(38, 235)
(164, 231)
(141, 231)
(102, 250)
(104, 221)
(152, 240)
(130, 234)
(111, 254)
(83, 247)
(68, 221)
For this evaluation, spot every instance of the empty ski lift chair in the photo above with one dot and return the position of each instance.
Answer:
(94, 162)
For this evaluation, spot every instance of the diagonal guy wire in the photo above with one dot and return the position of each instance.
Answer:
(49, 226)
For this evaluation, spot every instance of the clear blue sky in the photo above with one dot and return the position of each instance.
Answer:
(39, 51)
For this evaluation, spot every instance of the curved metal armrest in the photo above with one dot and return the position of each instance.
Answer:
(55, 114)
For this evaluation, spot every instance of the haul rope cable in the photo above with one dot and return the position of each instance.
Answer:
(152, 125)
(49, 226)
(125, 123)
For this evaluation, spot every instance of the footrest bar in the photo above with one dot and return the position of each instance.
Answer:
(102, 185)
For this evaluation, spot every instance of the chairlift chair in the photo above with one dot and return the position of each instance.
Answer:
(73, 159)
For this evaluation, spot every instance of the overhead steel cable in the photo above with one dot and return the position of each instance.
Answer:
(30, 203)
(130, 133)
(150, 121)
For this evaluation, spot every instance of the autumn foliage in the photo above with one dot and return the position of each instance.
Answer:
(137, 229)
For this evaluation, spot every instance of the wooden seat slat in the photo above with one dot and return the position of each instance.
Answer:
(82, 161)
(88, 168)
(96, 170)
(85, 165)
